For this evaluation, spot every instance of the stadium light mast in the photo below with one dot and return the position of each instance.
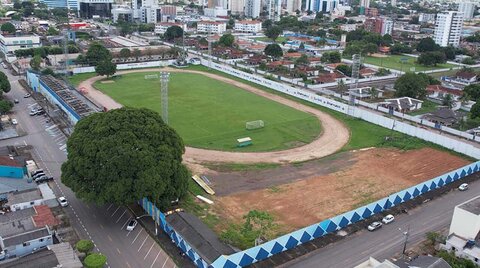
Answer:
(164, 78)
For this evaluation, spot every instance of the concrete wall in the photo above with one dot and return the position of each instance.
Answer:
(465, 224)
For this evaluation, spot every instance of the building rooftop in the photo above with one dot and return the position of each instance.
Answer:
(423, 262)
(26, 236)
(16, 226)
(23, 196)
(42, 258)
(199, 236)
(16, 215)
(472, 205)
(8, 185)
(65, 255)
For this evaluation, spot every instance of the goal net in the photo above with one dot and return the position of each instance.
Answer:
(151, 76)
(254, 124)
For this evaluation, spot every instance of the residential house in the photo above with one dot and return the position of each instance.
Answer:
(444, 117)
(367, 72)
(256, 59)
(314, 61)
(306, 70)
(464, 233)
(11, 167)
(272, 66)
(56, 255)
(416, 262)
(328, 78)
(43, 195)
(229, 53)
(465, 77)
(26, 231)
(332, 66)
(402, 104)
(438, 92)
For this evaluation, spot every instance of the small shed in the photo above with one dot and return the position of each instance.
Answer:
(244, 142)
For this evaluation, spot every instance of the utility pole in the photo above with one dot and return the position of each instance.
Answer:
(164, 78)
(406, 234)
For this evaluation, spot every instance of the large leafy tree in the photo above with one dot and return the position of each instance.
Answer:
(273, 32)
(227, 40)
(35, 62)
(431, 58)
(411, 85)
(124, 155)
(8, 28)
(273, 50)
(97, 53)
(475, 111)
(427, 44)
(107, 68)
(473, 91)
(173, 32)
(4, 83)
(125, 53)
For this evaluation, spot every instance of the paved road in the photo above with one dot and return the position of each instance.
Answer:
(388, 241)
(104, 225)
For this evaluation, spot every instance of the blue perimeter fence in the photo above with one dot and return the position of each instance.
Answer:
(291, 240)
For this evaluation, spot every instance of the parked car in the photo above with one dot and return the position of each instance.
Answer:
(131, 225)
(388, 219)
(38, 175)
(374, 226)
(16, 101)
(33, 112)
(35, 172)
(40, 112)
(63, 201)
(27, 95)
(14, 121)
(463, 187)
(43, 179)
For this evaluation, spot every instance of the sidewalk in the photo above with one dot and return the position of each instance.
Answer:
(180, 259)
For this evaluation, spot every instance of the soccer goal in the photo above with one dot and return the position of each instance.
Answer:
(254, 124)
(151, 76)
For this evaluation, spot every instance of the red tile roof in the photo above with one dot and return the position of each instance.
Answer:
(44, 216)
(440, 88)
(466, 75)
(7, 161)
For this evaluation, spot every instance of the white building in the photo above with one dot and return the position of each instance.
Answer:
(464, 234)
(10, 43)
(467, 8)
(248, 26)
(146, 11)
(325, 6)
(348, 27)
(426, 18)
(214, 27)
(448, 28)
(252, 8)
(387, 26)
(161, 28)
(274, 9)
(215, 12)
(293, 6)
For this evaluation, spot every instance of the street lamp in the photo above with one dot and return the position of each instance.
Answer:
(406, 234)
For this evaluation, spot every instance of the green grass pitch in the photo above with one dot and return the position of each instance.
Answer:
(394, 62)
(212, 114)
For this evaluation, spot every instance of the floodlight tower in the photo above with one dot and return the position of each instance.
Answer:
(164, 78)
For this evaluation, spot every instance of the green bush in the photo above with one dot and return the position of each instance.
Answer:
(95, 260)
(84, 246)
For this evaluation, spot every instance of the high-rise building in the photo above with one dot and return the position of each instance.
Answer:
(363, 5)
(325, 6)
(252, 8)
(146, 11)
(467, 8)
(448, 28)
(71, 4)
(393, 3)
(293, 6)
(274, 9)
(387, 26)
(92, 8)
(237, 6)
(378, 25)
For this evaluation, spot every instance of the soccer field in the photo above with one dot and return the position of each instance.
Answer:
(212, 114)
(394, 62)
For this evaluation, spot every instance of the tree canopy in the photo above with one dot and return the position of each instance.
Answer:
(106, 67)
(97, 53)
(35, 62)
(124, 155)
(8, 27)
(4, 83)
(411, 85)
(173, 32)
(273, 32)
(473, 91)
(273, 50)
(125, 53)
(427, 44)
(227, 40)
(431, 58)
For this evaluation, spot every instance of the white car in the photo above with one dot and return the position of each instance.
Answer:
(27, 95)
(374, 226)
(63, 201)
(14, 121)
(131, 225)
(388, 219)
(463, 187)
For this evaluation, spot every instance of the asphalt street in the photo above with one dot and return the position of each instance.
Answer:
(105, 225)
(388, 240)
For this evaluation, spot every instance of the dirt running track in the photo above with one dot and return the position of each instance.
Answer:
(333, 137)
